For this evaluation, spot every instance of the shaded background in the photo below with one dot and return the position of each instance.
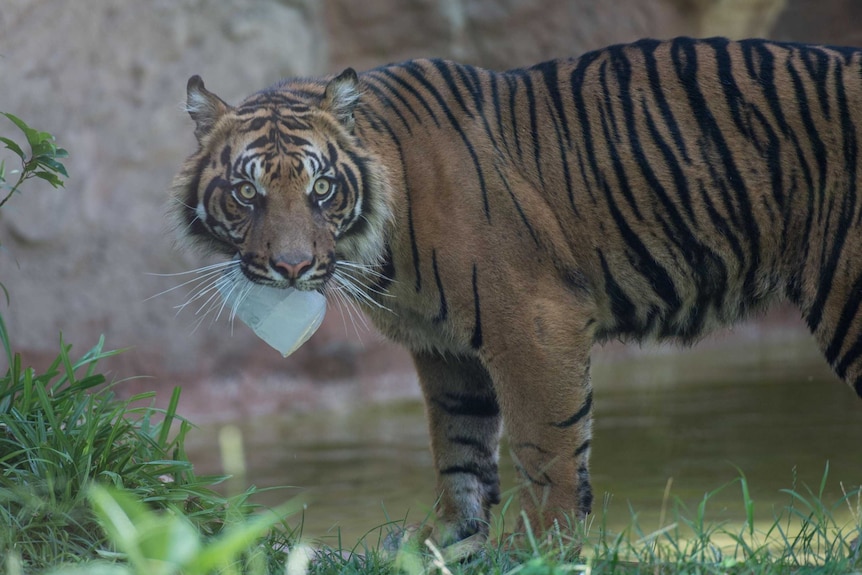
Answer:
(107, 77)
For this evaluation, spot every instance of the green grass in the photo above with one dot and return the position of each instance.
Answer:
(90, 483)
(64, 430)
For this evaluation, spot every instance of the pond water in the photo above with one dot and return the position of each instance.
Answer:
(773, 410)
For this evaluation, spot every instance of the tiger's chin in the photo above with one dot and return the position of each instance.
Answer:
(284, 284)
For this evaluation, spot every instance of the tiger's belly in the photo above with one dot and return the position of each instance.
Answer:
(417, 331)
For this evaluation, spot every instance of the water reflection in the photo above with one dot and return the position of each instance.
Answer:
(768, 409)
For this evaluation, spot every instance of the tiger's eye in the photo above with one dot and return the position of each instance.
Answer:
(322, 187)
(247, 191)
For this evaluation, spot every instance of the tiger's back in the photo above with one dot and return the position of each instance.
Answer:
(681, 184)
(649, 190)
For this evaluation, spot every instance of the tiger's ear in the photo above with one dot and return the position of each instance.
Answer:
(203, 106)
(341, 97)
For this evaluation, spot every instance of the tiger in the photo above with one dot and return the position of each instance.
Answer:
(499, 225)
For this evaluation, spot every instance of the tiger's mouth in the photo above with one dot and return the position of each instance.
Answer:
(304, 275)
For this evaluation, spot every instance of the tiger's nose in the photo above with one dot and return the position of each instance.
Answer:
(292, 266)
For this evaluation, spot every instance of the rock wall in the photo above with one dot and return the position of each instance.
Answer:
(107, 77)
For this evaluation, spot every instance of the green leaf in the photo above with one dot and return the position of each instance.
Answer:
(147, 537)
(44, 148)
(240, 537)
(22, 125)
(52, 179)
(4, 338)
(11, 145)
(52, 164)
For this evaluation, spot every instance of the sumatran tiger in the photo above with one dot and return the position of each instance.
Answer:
(498, 224)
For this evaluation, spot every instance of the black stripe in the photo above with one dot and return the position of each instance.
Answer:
(517, 204)
(642, 260)
(622, 308)
(476, 340)
(470, 77)
(190, 199)
(482, 447)
(350, 193)
(684, 57)
(564, 156)
(390, 105)
(585, 491)
(532, 446)
(225, 156)
(387, 271)
(849, 358)
(725, 232)
(577, 417)
(420, 77)
(734, 99)
(582, 170)
(706, 265)
(762, 70)
(513, 84)
(611, 137)
(534, 126)
(551, 79)
(622, 68)
(389, 73)
(660, 97)
(545, 481)
(848, 207)
(411, 228)
(444, 308)
(575, 279)
(498, 110)
(458, 405)
(487, 474)
(848, 314)
(580, 450)
(446, 73)
(816, 63)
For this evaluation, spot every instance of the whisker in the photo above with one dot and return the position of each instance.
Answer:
(357, 289)
(203, 274)
(246, 291)
(227, 292)
(199, 279)
(360, 283)
(365, 268)
(205, 287)
(350, 287)
(218, 265)
(343, 311)
(347, 306)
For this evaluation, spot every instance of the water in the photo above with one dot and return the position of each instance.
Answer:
(773, 410)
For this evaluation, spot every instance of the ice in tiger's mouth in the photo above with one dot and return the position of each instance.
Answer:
(283, 317)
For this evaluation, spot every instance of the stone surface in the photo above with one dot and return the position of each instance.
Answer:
(107, 77)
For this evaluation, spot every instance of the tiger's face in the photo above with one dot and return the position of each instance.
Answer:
(280, 184)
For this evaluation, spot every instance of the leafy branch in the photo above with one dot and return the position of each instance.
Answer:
(42, 162)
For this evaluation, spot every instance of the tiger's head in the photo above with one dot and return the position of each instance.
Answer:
(281, 183)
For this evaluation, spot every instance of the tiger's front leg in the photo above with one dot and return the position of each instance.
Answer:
(465, 424)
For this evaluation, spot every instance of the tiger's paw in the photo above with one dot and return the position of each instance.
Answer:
(436, 539)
